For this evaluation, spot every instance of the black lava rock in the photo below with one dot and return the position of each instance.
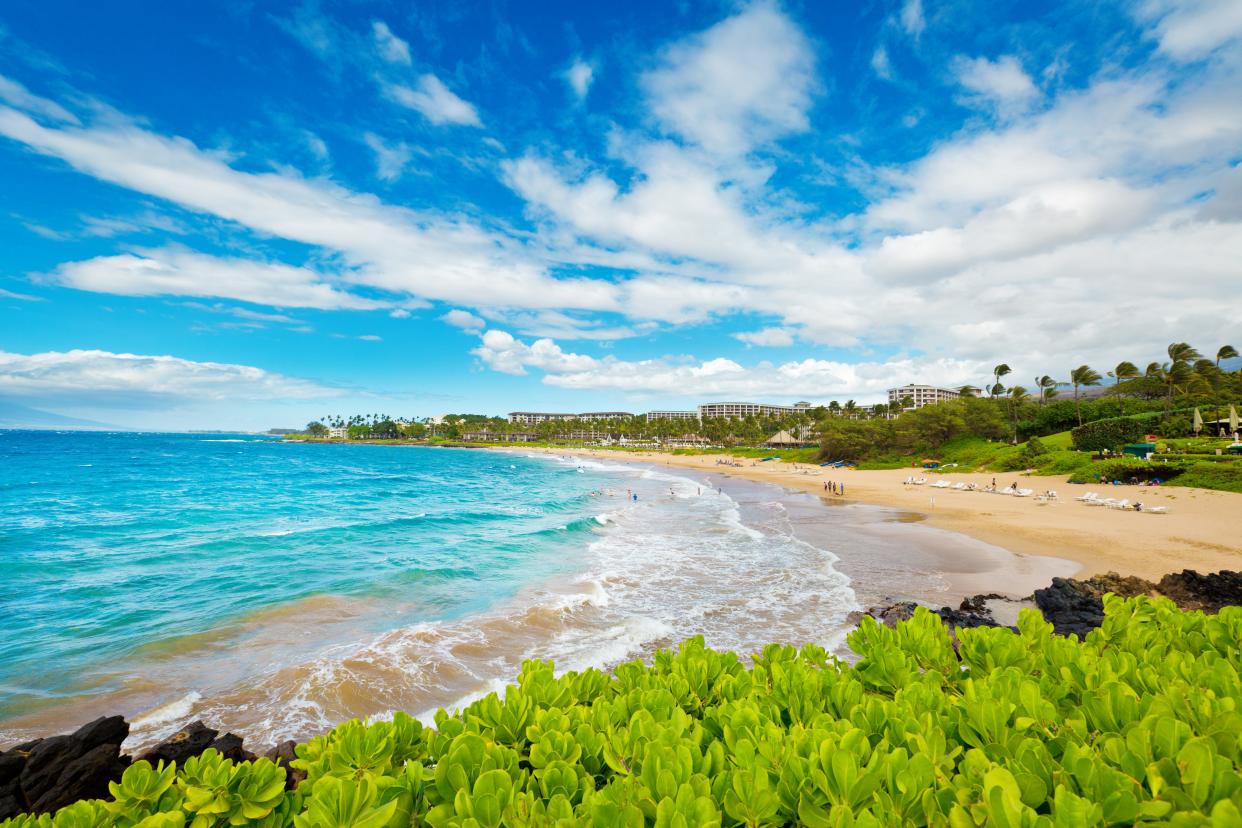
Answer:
(1069, 607)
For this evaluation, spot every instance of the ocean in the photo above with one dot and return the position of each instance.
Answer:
(277, 588)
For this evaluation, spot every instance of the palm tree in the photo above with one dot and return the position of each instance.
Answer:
(1182, 352)
(1123, 371)
(966, 391)
(1017, 396)
(1083, 375)
(1223, 352)
(998, 372)
(1047, 387)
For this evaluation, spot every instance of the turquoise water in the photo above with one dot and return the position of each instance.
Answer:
(279, 588)
(112, 542)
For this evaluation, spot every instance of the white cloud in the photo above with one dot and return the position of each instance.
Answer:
(768, 337)
(1192, 29)
(741, 83)
(463, 319)
(370, 338)
(436, 102)
(8, 294)
(810, 378)
(392, 48)
(912, 19)
(580, 76)
(390, 159)
(14, 94)
(881, 64)
(396, 249)
(1001, 83)
(179, 272)
(81, 375)
(400, 313)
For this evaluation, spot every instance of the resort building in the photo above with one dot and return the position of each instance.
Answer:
(688, 441)
(910, 397)
(499, 436)
(672, 415)
(605, 415)
(737, 410)
(532, 417)
(336, 433)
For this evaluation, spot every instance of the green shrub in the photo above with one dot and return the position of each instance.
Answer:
(1221, 476)
(1112, 434)
(1124, 469)
(1061, 462)
(1139, 722)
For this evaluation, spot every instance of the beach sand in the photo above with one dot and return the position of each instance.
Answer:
(1202, 529)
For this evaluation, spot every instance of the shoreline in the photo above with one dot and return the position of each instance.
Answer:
(1201, 530)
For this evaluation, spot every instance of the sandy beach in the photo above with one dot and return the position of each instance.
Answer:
(1202, 529)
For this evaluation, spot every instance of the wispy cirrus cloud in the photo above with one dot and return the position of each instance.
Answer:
(437, 103)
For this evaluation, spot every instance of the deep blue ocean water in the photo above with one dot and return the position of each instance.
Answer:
(277, 587)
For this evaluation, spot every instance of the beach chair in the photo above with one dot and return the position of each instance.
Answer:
(1119, 504)
(919, 481)
(1024, 493)
(1157, 510)
(940, 484)
(961, 487)
(1086, 497)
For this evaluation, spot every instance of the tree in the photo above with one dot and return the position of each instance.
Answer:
(1223, 352)
(1017, 396)
(998, 372)
(1124, 371)
(966, 391)
(1047, 388)
(1083, 375)
(316, 429)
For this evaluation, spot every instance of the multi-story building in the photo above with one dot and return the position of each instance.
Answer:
(337, 433)
(672, 415)
(734, 410)
(605, 415)
(910, 397)
(532, 417)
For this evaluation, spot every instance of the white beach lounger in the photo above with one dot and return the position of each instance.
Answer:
(1119, 504)
(1087, 496)
(961, 487)
(940, 484)
(1157, 510)
(1024, 493)
(920, 481)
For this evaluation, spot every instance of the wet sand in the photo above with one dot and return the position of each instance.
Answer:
(1202, 529)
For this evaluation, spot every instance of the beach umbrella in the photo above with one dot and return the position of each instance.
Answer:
(1198, 422)
(1233, 419)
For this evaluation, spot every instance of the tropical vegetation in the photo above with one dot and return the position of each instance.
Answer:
(1138, 723)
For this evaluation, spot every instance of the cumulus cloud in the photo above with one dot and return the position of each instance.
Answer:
(1191, 29)
(580, 75)
(436, 102)
(179, 272)
(392, 48)
(463, 319)
(745, 81)
(809, 378)
(1002, 83)
(83, 375)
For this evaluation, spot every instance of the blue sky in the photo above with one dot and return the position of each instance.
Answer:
(246, 215)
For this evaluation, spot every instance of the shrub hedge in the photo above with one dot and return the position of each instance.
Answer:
(1123, 470)
(1113, 434)
(1138, 723)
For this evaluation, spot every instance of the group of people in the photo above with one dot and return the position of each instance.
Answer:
(832, 487)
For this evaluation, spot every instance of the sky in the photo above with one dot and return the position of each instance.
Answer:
(248, 215)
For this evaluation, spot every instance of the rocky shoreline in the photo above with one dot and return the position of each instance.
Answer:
(1076, 607)
(44, 775)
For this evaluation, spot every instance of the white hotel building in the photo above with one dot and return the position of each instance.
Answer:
(532, 417)
(672, 415)
(737, 410)
(917, 396)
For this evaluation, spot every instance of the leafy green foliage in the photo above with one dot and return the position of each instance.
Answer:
(1140, 722)
(1126, 469)
(1112, 434)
